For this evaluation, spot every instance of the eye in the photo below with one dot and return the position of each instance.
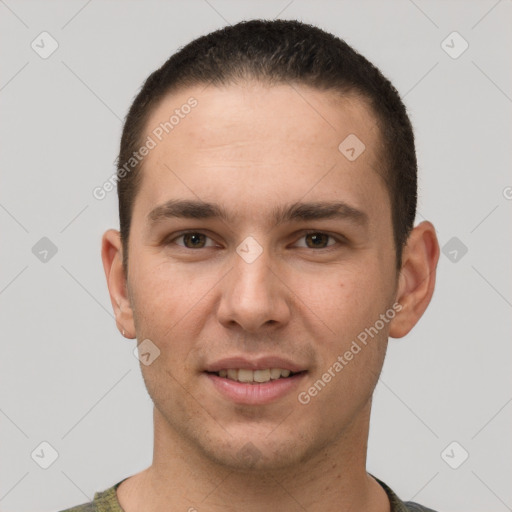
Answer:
(193, 240)
(317, 240)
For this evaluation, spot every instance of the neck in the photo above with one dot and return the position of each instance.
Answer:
(183, 478)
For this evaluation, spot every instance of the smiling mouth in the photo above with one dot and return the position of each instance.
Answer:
(254, 376)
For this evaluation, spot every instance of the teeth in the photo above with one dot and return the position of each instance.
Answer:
(275, 373)
(244, 375)
(261, 375)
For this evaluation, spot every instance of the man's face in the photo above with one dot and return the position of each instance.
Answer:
(247, 291)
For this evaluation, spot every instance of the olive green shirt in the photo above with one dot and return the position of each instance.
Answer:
(106, 501)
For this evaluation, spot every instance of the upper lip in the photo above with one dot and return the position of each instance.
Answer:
(257, 363)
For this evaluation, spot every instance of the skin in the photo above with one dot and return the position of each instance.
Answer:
(251, 148)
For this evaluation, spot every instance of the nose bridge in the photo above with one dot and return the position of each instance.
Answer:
(253, 296)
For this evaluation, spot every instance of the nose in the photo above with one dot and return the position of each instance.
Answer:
(254, 296)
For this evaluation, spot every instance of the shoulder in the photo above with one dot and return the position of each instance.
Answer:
(85, 507)
(397, 505)
(104, 501)
(410, 506)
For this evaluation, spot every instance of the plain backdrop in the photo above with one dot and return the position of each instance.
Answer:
(69, 379)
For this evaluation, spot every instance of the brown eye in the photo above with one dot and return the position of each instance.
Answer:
(317, 240)
(192, 240)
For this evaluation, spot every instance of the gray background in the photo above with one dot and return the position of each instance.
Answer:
(67, 375)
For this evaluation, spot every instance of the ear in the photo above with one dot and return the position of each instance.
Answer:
(417, 278)
(112, 257)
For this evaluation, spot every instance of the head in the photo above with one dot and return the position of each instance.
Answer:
(269, 220)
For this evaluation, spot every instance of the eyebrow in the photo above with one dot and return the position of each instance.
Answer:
(192, 209)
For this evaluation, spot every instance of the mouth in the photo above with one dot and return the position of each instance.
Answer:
(254, 381)
(259, 385)
(248, 376)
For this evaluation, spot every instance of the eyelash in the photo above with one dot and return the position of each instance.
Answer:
(340, 240)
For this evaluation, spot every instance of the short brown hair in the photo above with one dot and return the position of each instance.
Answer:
(279, 51)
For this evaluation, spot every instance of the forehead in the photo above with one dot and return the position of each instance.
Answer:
(297, 112)
(260, 140)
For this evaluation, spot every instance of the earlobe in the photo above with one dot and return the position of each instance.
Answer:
(112, 257)
(417, 278)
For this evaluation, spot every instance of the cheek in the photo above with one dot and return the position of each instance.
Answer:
(348, 299)
(164, 291)
(170, 308)
(160, 300)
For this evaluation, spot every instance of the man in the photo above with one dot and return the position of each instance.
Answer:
(267, 195)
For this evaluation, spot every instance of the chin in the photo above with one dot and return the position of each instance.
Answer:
(253, 453)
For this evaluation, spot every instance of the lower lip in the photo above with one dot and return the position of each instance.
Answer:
(255, 394)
